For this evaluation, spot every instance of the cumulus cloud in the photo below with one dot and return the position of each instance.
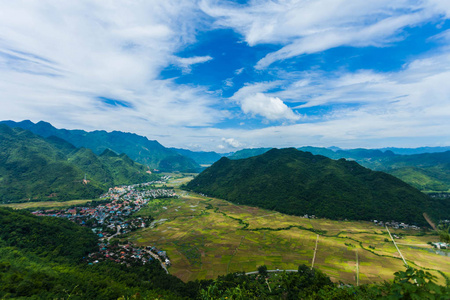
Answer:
(305, 27)
(271, 108)
(232, 143)
(254, 101)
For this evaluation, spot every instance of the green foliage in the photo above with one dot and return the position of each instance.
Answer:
(304, 284)
(444, 232)
(40, 258)
(298, 183)
(46, 236)
(413, 284)
(262, 270)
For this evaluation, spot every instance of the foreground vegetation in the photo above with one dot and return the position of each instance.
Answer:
(40, 258)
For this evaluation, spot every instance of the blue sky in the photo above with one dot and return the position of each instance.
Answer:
(226, 75)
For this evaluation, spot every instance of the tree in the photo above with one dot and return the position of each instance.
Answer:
(414, 284)
(262, 270)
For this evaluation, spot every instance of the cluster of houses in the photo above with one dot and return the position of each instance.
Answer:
(441, 245)
(112, 216)
(127, 254)
(396, 225)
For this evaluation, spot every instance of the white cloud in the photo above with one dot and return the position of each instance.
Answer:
(231, 142)
(187, 62)
(271, 108)
(305, 27)
(254, 101)
(239, 71)
(57, 58)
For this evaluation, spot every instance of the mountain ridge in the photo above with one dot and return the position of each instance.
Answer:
(138, 148)
(35, 168)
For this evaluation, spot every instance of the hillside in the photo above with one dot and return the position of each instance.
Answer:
(41, 258)
(34, 168)
(138, 148)
(424, 171)
(296, 182)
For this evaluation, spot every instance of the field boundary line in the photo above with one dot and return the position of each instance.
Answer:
(395, 244)
(234, 253)
(315, 250)
(357, 268)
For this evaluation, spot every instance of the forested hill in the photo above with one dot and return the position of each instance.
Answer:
(138, 148)
(425, 171)
(42, 258)
(35, 168)
(296, 182)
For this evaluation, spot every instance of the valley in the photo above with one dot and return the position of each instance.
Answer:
(207, 237)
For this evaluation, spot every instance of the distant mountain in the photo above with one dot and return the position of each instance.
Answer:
(420, 150)
(35, 168)
(138, 148)
(200, 157)
(295, 182)
(426, 171)
(245, 153)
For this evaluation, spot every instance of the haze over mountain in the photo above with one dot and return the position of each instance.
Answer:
(297, 182)
(200, 157)
(36, 168)
(138, 148)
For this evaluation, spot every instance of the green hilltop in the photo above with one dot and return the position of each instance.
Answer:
(33, 168)
(428, 172)
(296, 182)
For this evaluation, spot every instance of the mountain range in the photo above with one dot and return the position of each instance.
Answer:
(34, 168)
(296, 182)
(139, 148)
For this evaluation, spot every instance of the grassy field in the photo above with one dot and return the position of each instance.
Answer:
(207, 237)
(45, 204)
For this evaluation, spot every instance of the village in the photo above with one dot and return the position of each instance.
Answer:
(112, 216)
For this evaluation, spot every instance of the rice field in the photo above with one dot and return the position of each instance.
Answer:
(207, 237)
(45, 204)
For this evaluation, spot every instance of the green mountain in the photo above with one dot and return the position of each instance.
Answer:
(425, 171)
(138, 148)
(295, 182)
(35, 168)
